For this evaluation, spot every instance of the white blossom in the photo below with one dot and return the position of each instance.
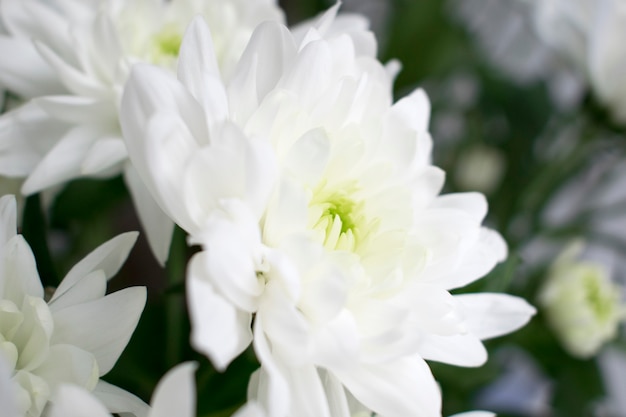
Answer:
(582, 304)
(324, 240)
(72, 58)
(76, 336)
(590, 34)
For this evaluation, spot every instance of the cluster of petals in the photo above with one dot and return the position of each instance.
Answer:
(74, 337)
(590, 34)
(324, 241)
(69, 62)
(175, 395)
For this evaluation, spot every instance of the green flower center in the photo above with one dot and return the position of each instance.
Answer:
(339, 217)
(166, 43)
(600, 300)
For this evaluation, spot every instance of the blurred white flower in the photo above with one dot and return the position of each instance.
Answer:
(590, 34)
(72, 59)
(581, 303)
(505, 33)
(317, 210)
(175, 395)
(75, 337)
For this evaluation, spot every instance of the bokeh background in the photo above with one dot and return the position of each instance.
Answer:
(510, 120)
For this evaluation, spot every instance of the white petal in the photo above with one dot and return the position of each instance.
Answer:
(402, 388)
(270, 49)
(19, 274)
(284, 325)
(489, 249)
(250, 409)
(475, 414)
(27, 74)
(474, 204)
(108, 257)
(169, 150)
(35, 20)
(310, 74)
(413, 111)
(73, 401)
(8, 218)
(63, 162)
(90, 288)
(157, 225)
(492, 315)
(79, 110)
(105, 153)
(67, 364)
(119, 401)
(175, 395)
(26, 135)
(308, 156)
(218, 329)
(459, 350)
(238, 167)
(229, 263)
(7, 394)
(102, 327)
(267, 385)
(198, 70)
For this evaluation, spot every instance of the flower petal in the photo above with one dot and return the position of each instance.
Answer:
(116, 317)
(120, 401)
(175, 395)
(108, 257)
(198, 70)
(67, 364)
(492, 315)
(63, 161)
(157, 225)
(8, 218)
(405, 387)
(218, 329)
(73, 401)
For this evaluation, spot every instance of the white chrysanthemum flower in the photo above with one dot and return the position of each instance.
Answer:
(582, 304)
(76, 336)
(175, 395)
(317, 209)
(75, 70)
(590, 34)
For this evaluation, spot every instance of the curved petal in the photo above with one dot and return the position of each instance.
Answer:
(92, 287)
(218, 329)
(67, 364)
(175, 395)
(492, 315)
(405, 387)
(105, 154)
(108, 257)
(73, 401)
(64, 160)
(19, 275)
(27, 75)
(459, 350)
(115, 316)
(119, 401)
(8, 218)
(157, 225)
(198, 70)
